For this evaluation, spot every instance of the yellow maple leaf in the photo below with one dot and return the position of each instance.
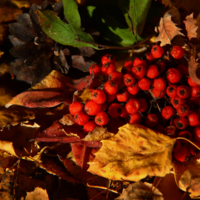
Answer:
(167, 30)
(133, 153)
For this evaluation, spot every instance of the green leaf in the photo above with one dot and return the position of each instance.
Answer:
(135, 13)
(110, 29)
(71, 13)
(63, 33)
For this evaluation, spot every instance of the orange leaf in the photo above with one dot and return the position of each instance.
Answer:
(192, 68)
(190, 26)
(133, 153)
(167, 30)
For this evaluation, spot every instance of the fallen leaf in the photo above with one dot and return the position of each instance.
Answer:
(198, 25)
(167, 30)
(140, 191)
(190, 26)
(67, 119)
(192, 69)
(133, 153)
(37, 194)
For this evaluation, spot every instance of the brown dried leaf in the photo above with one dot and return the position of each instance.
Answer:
(192, 69)
(38, 193)
(167, 30)
(190, 26)
(140, 191)
(133, 153)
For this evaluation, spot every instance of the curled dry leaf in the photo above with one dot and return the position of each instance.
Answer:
(192, 69)
(140, 191)
(133, 153)
(190, 26)
(167, 30)
(38, 193)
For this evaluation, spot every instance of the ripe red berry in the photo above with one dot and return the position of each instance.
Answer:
(111, 87)
(194, 119)
(151, 120)
(159, 83)
(161, 66)
(183, 110)
(115, 110)
(183, 91)
(101, 118)
(196, 133)
(116, 76)
(173, 75)
(98, 96)
(107, 58)
(75, 107)
(143, 104)
(108, 68)
(138, 61)
(191, 82)
(157, 51)
(152, 71)
(133, 89)
(158, 93)
(128, 80)
(177, 52)
(144, 84)
(195, 91)
(171, 90)
(149, 57)
(193, 150)
(135, 118)
(177, 101)
(180, 123)
(127, 67)
(182, 154)
(177, 146)
(167, 112)
(81, 118)
(124, 113)
(89, 126)
(138, 71)
(122, 95)
(92, 108)
(132, 106)
(170, 130)
(95, 69)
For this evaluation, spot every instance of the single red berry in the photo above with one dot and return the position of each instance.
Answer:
(183, 110)
(75, 107)
(92, 108)
(167, 112)
(177, 101)
(81, 118)
(151, 120)
(157, 51)
(116, 76)
(152, 71)
(122, 95)
(170, 130)
(138, 61)
(158, 93)
(132, 106)
(111, 87)
(138, 71)
(101, 118)
(115, 110)
(127, 67)
(135, 118)
(194, 119)
(180, 123)
(144, 84)
(161, 66)
(149, 57)
(159, 83)
(195, 91)
(128, 80)
(183, 91)
(196, 133)
(98, 96)
(177, 52)
(177, 146)
(182, 154)
(185, 134)
(173, 75)
(171, 90)
(143, 104)
(124, 113)
(89, 126)
(95, 69)
(111, 98)
(191, 82)
(193, 150)
(183, 70)
(107, 58)
(133, 89)
(108, 68)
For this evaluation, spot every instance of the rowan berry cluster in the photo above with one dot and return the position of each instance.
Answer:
(146, 91)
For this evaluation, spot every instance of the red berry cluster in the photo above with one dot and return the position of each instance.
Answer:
(147, 91)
